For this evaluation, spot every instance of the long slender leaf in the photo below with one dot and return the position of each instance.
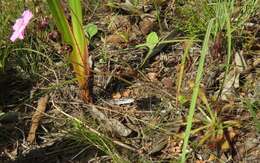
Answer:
(60, 20)
(78, 56)
(77, 24)
(196, 91)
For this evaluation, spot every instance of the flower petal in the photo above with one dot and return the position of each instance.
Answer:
(27, 15)
(20, 25)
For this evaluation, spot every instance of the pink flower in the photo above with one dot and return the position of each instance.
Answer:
(20, 25)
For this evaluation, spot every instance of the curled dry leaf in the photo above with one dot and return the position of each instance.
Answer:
(110, 124)
(158, 146)
(167, 82)
(115, 39)
(95, 113)
(36, 118)
(116, 95)
(152, 76)
(232, 79)
(146, 25)
(118, 128)
(126, 93)
(118, 23)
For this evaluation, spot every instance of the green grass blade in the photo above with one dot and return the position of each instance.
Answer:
(229, 50)
(196, 91)
(60, 20)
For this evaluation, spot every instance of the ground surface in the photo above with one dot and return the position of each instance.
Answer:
(139, 113)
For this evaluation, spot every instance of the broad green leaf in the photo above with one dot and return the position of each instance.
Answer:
(60, 20)
(77, 25)
(152, 39)
(90, 30)
(79, 55)
(2, 113)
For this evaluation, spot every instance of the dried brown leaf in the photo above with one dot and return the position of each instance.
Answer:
(36, 118)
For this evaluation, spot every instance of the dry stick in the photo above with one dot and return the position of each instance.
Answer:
(37, 116)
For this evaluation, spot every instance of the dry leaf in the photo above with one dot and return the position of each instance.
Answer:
(211, 158)
(116, 95)
(167, 82)
(146, 25)
(115, 39)
(158, 146)
(200, 161)
(95, 113)
(118, 23)
(232, 78)
(111, 124)
(36, 118)
(173, 147)
(231, 133)
(152, 76)
(117, 127)
(126, 93)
